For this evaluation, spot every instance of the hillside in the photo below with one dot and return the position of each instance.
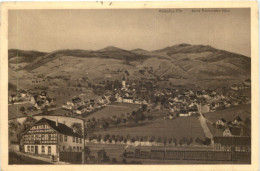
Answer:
(16, 55)
(180, 64)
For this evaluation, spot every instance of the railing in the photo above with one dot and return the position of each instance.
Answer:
(190, 155)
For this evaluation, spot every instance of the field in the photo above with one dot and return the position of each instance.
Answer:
(115, 109)
(243, 111)
(178, 128)
(14, 110)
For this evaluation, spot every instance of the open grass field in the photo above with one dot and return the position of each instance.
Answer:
(178, 128)
(14, 110)
(243, 111)
(115, 109)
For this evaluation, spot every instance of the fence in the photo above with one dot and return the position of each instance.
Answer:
(190, 155)
(71, 157)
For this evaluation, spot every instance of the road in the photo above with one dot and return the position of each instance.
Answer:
(27, 159)
(203, 122)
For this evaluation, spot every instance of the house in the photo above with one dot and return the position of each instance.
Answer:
(77, 101)
(247, 82)
(184, 112)
(237, 120)
(43, 95)
(193, 110)
(49, 137)
(237, 144)
(234, 87)
(48, 101)
(128, 100)
(221, 122)
(81, 109)
(23, 93)
(232, 131)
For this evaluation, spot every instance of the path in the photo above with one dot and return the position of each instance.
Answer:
(17, 103)
(40, 158)
(203, 122)
(119, 106)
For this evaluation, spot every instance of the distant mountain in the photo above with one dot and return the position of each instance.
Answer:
(182, 61)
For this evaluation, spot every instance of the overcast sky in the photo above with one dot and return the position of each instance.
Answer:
(149, 29)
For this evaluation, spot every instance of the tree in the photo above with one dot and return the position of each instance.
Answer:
(112, 99)
(102, 156)
(45, 110)
(190, 141)
(165, 140)
(159, 139)
(77, 127)
(22, 109)
(29, 121)
(170, 140)
(207, 141)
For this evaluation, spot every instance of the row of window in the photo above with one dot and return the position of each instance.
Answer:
(41, 137)
(31, 149)
(37, 127)
(75, 139)
(74, 148)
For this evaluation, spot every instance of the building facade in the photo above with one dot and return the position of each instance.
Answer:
(49, 137)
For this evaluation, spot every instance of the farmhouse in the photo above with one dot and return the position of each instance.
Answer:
(237, 120)
(237, 144)
(50, 137)
(184, 112)
(81, 110)
(128, 100)
(221, 122)
(232, 131)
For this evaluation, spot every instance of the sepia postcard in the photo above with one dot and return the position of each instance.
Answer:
(129, 85)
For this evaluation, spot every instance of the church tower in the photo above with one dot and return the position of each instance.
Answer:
(123, 83)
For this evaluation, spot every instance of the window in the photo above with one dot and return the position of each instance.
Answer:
(32, 148)
(73, 139)
(76, 139)
(61, 138)
(65, 138)
(28, 148)
(49, 137)
(49, 149)
(78, 148)
(80, 141)
(43, 149)
(74, 148)
(63, 148)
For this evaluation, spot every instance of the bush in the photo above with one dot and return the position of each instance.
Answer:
(125, 140)
(207, 141)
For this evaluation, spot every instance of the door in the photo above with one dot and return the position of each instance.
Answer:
(36, 149)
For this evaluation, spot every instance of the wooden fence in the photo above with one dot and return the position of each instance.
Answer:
(190, 155)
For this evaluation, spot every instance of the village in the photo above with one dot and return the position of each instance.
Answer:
(172, 104)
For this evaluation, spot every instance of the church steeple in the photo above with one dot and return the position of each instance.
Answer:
(123, 82)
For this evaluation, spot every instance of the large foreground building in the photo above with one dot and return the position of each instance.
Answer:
(50, 137)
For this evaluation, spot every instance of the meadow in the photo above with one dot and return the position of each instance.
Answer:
(243, 111)
(115, 109)
(178, 128)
